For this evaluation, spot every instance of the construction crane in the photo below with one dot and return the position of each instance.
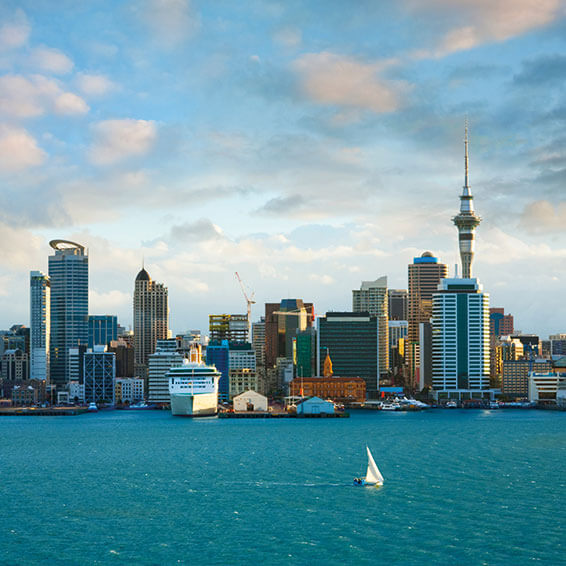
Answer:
(249, 302)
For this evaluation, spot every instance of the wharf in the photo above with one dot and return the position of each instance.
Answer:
(42, 411)
(278, 415)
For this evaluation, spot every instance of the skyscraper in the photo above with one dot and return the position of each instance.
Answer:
(398, 303)
(425, 274)
(102, 329)
(68, 273)
(467, 220)
(372, 298)
(40, 321)
(151, 319)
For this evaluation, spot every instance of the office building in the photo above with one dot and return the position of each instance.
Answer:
(125, 366)
(500, 324)
(99, 373)
(372, 298)
(515, 376)
(352, 340)
(151, 319)
(68, 274)
(218, 355)
(398, 304)
(14, 365)
(424, 275)
(102, 329)
(557, 345)
(305, 352)
(282, 322)
(40, 324)
(397, 331)
(159, 363)
(75, 363)
(242, 380)
(129, 390)
(543, 387)
(258, 341)
(231, 327)
(460, 339)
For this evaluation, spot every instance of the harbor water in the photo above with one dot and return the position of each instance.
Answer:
(126, 487)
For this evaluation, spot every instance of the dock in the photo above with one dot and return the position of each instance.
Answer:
(280, 415)
(42, 411)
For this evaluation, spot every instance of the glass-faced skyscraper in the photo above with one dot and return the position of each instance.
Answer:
(40, 319)
(68, 273)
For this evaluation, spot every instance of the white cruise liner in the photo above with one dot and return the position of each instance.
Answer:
(193, 388)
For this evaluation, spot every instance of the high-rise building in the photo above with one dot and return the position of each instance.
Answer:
(305, 357)
(282, 321)
(460, 330)
(398, 304)
(102, 329)
(397, 332)
(124, 357)
(159, 363)
(372, 298)
(40, 321)
(14, 365)
(68, 273)
(557, 345)
(99, 372)
(218, 355)
(258, 341)
(500, 324)
(425, 274)
(231, 327)
(515, 376)
(151, 319)
(352, 340)
(242, 368)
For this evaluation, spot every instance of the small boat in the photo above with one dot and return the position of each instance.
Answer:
(92, 408)
(451, 405)
(390, 406)
(373, 475)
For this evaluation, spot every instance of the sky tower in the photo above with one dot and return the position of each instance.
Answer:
(467, 220)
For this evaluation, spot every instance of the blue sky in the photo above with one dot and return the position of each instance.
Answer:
(307, 145)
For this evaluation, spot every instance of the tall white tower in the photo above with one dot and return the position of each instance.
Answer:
(467, 220)
(40, 321)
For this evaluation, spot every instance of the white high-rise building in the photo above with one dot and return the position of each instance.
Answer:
(40, 320)
(460, 339)
(164, 358)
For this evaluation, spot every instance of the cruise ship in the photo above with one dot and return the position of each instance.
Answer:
(193, 387)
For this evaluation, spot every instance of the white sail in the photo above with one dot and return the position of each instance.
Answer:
(373, 475)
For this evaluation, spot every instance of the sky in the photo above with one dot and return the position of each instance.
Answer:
(306, 145)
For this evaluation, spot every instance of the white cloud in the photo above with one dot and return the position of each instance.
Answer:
(170, 21)
(15, 33)
(543, 217)
(485, 20)
(108, 302)
(333, 79)
(23, 97)
(289, 37)
(94, 85)
(18, 149)
(51, 60)
(115, 140)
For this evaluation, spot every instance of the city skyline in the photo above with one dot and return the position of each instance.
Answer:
(278, 142)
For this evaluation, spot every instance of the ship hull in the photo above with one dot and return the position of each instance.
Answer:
(201, 405)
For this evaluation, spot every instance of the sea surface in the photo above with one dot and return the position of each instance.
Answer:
(125, 487)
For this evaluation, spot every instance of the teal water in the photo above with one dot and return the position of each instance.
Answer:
(462, 487)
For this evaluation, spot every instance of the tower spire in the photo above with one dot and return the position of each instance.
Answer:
(466, 170)
(467, 220)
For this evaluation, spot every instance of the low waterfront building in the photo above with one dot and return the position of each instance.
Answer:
(129, 390)
(515, 376)
(250, 401)
(76, 391)
(28, 392)
(315, 406)
(344, 389)
(544, 386)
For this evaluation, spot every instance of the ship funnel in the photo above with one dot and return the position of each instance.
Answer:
(195, 354)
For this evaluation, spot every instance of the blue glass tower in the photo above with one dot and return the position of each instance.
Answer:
(68, 273)
(102, 329)
(218, 354)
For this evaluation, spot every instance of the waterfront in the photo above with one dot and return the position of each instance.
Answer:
(462, 487)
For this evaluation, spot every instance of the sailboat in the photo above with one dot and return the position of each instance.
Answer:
(373, 475)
